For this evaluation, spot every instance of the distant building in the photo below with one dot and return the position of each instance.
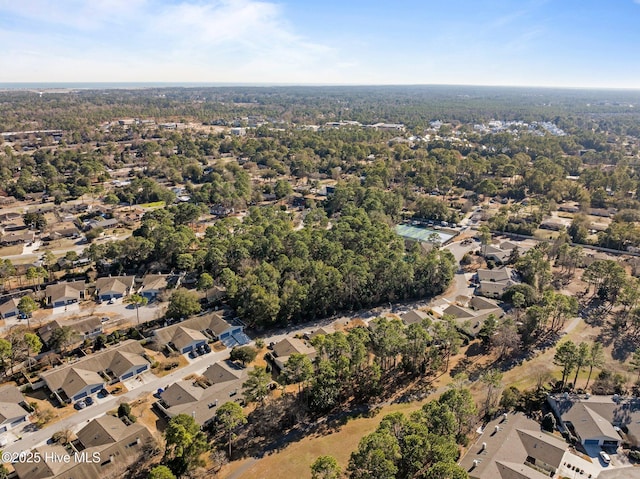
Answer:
(221, 210)
(553, 225)
(389, 126)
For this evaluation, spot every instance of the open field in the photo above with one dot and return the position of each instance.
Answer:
(294, 460)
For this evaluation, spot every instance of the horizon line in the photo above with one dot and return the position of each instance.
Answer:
(122, 85)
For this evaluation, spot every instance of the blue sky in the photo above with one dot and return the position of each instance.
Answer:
(586, 43)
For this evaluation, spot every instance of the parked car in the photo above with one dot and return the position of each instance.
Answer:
(605, 457)
(80, 405)
(88, 401)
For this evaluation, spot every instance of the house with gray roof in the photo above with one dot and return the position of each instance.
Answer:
(470, 319)
(65, 294)
(282, 350)
(85, 328)
(12, 408)
(153, 285)
(413, 316)
(187, 335)
(89, 375)
(513, 447)
(116, 445)
(10, 308)
(223, 383)
(493, 283)
(114, 287)
(598, 420)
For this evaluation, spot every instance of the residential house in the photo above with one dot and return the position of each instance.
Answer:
(325, 330)
(221, 210)
(153, 285)
(12, 223)
(598, 420)
(86, 328)
(12, 408)
(496, 254)
(10, 308)
(494, 282)
(553, 225)
(99, 222)
(282, 350)
(223, 382)
(89, 375)
(215, 294)
(14, 239)
(413, 316)
(65, 294)
(470, 319)
(513, 446)
(569, 208)
(191, 333)
(114, 287)
(64, 230)
(502, 253)
(115, 444)
(602, 212)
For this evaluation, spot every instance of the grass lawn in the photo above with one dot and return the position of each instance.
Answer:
(545, 234)
(155, 204)
(11, 250)
(295, 460)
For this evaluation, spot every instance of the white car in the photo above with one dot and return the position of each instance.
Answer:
(605, 457)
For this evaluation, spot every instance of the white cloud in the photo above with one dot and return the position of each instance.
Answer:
(140, 40)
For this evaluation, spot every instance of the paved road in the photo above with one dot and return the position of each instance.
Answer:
(150, 385)
(80, 418)
(198, 365)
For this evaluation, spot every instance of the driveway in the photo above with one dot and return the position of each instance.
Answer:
(149, 384)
